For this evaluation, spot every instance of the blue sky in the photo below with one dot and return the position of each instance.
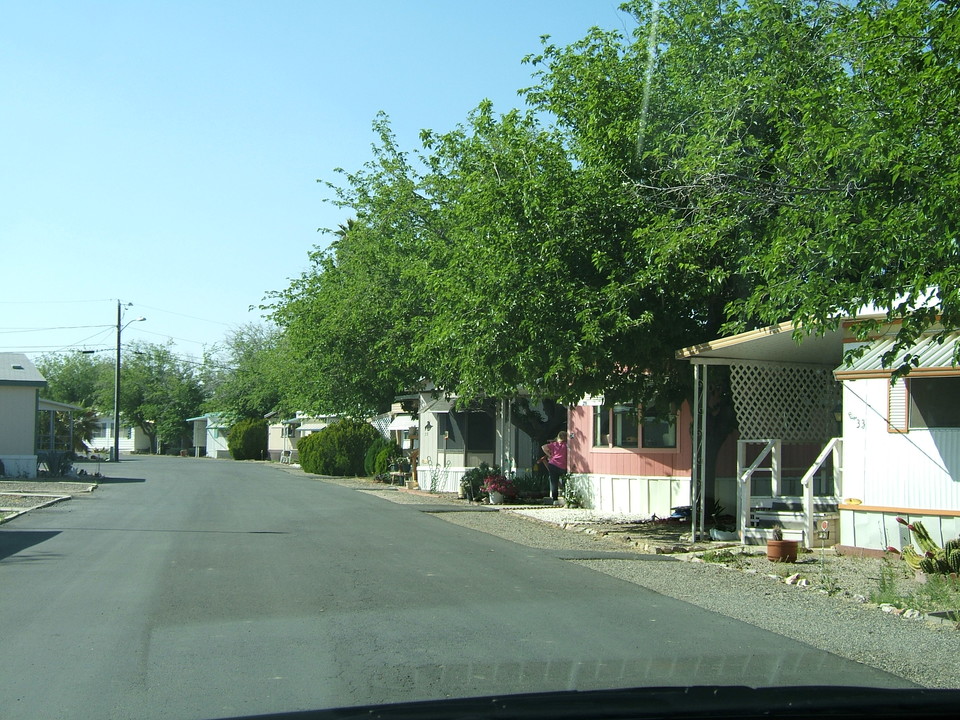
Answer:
(166, 153)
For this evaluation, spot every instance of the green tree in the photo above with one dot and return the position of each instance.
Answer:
(353, 321)
(878, 221)
(245, 380)
(158, 392)
(78, 379)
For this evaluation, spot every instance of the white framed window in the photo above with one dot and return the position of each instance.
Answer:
(627, 426)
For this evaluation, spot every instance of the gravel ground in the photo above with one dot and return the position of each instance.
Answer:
(17, 496)
(830, 613)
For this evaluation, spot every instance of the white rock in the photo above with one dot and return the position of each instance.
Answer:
(911, 614)
(860, 599)
(793, 579)
(887, 607)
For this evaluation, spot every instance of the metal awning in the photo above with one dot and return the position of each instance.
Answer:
(402, 422)
(43, 404)
(770, 344)
(932, 357)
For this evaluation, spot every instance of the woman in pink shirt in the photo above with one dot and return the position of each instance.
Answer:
(556, 453)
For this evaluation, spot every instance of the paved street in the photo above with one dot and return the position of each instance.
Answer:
(201, 589)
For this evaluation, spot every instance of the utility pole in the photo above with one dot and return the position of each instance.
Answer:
(116, 382)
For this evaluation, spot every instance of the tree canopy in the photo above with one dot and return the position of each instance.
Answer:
(725, 165)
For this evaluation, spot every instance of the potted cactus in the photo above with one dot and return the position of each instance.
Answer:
(780, 550)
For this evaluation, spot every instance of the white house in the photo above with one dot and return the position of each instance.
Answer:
(20, 384)
(452, 441)
(901, 444)
(836, 452)
(132, 439)
(282, 435)
(210, 435)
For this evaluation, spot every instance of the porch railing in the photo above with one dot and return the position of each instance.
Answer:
(745, 475)
(833, 448)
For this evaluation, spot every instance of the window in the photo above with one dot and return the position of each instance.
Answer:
(933, 402)
(627, 427)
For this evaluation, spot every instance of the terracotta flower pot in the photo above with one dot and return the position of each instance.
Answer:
(782, 550)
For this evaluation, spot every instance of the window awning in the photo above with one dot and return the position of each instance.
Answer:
(402, 422)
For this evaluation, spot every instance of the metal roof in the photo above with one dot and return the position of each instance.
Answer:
(933, 357)
(16, 369)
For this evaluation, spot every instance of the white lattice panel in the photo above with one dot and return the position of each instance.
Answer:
(789, 402)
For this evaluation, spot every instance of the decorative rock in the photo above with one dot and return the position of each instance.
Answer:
(860, 599)
(793, 579)
(887, 607)
(802, 582)
(911, 614)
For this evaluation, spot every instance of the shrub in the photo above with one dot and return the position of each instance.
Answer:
(378, 455)
(472, 480)
(338, 449)
(532, 485)
(247, 440)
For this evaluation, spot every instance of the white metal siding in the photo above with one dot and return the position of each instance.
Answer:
(642, 496)
(919, 469)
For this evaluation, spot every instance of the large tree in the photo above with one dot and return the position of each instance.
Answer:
(726, 165)
(354, 321)
(158, 392)
(244, 376)
(82, 379)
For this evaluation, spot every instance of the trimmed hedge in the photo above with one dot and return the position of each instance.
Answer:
(338, 449)
(247, 440)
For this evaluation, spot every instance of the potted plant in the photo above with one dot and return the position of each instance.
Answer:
(780, 550)
(499, 488)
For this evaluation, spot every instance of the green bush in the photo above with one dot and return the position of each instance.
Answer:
(247, 440)
(338, 449)
(373, 461)
(472, 480)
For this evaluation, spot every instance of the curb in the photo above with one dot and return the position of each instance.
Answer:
(54, 499)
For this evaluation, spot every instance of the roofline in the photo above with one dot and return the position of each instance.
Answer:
(873, 374)
(733, 340)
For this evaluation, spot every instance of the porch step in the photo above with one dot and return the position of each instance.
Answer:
(759, 536)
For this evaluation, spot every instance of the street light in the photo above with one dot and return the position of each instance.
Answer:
(116, 382)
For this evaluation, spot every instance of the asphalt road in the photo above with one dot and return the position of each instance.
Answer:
(208, 589)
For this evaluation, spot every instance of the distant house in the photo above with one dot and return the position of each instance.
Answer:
(132, 439)
(210, 435)
(282, 435)
(20, 384)
(449, 441)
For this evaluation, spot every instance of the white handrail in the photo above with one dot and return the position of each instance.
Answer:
(832, 448)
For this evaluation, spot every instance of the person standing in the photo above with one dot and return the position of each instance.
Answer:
(556, 453)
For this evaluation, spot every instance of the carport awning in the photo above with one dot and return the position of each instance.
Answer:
(402, 422)
(931, 356)
(56, 406)
(770, 344)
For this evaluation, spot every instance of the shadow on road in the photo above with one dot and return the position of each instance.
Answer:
(14, 541)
